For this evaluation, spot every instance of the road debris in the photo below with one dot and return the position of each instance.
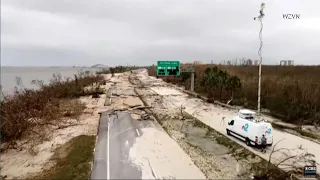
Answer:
(145, 116)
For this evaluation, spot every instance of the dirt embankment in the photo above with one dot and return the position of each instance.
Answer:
(54, 154)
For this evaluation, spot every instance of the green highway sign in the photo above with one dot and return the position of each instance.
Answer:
(168, 68)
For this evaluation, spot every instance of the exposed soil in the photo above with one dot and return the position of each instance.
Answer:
(35, 156)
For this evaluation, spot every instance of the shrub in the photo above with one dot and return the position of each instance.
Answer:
(28, 108)
(104, 71)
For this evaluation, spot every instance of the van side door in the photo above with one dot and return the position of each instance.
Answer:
(244, 128)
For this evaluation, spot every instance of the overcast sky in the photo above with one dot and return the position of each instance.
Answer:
(138, 32)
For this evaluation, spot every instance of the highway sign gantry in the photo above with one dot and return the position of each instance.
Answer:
(168, 68)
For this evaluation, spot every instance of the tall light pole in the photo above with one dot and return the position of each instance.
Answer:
(259, 52)
(192, 77)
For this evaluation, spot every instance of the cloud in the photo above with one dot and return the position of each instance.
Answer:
(65, 32)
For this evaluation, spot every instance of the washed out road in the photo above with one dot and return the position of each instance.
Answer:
(117, 134)
(128, 148)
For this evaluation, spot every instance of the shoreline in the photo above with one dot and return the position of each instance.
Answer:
(28, 74)
(33, 160)
(73, 114)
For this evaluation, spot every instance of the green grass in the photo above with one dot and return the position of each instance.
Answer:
(73, 160)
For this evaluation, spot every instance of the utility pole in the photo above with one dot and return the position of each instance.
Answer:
(192, 80)
(259, 89)
(191, 70)
(259, 52)
(192, 76)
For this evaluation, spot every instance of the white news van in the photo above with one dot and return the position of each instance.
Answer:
(249, 128)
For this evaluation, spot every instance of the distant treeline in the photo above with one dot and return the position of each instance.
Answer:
(119, 69)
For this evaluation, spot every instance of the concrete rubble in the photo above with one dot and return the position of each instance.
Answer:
(132, 102)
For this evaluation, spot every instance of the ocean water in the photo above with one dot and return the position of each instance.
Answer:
(28, 74)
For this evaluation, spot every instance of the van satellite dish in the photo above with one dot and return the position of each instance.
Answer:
(247, 111)
(246, 114)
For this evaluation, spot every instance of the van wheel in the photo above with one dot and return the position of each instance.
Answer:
(228, 132)
(248, 142)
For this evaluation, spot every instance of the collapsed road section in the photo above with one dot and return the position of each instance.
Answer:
(116, 136)
(131, 144)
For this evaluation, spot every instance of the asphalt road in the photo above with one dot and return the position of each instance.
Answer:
(111, 157)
